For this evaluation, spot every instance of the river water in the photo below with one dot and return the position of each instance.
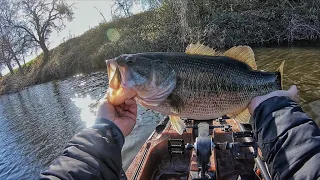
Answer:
(37, 122)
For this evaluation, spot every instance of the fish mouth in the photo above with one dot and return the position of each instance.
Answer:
(114, 74)
(118, 92)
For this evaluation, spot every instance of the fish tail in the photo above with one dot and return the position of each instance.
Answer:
(280, 75)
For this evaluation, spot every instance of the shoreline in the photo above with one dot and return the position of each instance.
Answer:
(170, 28)
(14, 83)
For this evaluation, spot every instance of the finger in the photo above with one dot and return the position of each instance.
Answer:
(131, 112)
(126, 107)
(131, 105)
(133, 108)
(130, 115)
(293, 89)
(293, 93)
(119, 110)
(122, 105)
(130, 102)
(106, 110)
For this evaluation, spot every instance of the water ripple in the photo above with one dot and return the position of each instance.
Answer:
(36, 123)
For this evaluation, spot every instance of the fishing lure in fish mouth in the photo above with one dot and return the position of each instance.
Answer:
(199, 84)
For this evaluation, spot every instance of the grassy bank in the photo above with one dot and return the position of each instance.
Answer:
(172, 27)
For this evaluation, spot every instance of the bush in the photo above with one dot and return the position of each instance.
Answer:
(172, 27)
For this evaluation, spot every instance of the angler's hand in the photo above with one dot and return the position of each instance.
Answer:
(292, 93)
(123, 115)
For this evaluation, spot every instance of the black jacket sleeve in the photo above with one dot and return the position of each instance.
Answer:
(288, 138)
(93, 153)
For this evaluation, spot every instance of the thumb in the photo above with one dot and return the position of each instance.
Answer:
(293, 93)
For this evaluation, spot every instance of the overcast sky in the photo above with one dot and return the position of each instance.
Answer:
(85, 17)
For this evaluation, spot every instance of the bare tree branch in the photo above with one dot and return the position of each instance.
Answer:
(104, 19)
(28, 31)
(14, 42)
(42, 18)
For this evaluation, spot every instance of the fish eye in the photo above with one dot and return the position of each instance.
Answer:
(129, 60)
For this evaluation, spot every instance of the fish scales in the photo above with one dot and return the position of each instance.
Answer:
(210, 86)
(199, 84)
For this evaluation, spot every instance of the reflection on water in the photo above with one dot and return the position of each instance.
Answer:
(33, 125)
(85, 111)
(36, 123)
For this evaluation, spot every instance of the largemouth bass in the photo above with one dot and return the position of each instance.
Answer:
(199, 84)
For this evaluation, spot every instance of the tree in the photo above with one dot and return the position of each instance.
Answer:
(4, 57)
(104, 19)
(14, 43)
(123, 8)
(41, 18)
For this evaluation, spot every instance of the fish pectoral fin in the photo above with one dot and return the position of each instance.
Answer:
(176, 103)
(201, 49)
(243, 117)
(177, 124)
(244, 54)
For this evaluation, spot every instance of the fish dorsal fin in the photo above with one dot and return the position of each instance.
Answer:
(201, 49)
(177, 124)
(244, 54)
(243, 117)
(280, 70)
